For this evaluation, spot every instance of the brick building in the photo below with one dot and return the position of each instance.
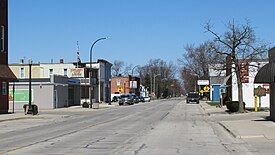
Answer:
(6, 74)
(125, 85)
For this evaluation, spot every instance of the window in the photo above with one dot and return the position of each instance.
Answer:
(2, 41)
(22, 73)
(65, 72)
(50, 72)
(4, 88)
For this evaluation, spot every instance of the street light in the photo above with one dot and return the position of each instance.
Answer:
(30, 110)
(90, 71)
(155, 75)
(132, 78)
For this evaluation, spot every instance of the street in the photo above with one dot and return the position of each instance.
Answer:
(158, 127)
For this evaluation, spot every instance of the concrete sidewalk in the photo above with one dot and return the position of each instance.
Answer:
(212, 110)
(244, 126)
(243, 129)
(44, 114)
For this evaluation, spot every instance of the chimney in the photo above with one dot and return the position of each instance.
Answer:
(61, 61)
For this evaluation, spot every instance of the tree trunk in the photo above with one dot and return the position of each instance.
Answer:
(240, 92)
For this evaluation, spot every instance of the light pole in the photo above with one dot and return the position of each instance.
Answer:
(133, 78)
(90, 70)
(30, 110)
(155, 75)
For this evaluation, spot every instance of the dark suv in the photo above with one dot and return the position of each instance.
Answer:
(193, 97)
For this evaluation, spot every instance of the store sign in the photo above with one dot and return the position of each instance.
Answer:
(203, 82)
(77, 72)
(20, 95)
(260, 91)
(244, 72)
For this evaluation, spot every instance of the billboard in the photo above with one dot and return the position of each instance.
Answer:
(20, 95)
(77, 72)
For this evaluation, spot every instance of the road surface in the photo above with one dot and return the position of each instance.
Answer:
(160, 127)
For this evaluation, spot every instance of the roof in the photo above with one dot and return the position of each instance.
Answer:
(6, 73)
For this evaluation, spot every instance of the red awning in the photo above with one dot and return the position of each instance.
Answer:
(6, 74)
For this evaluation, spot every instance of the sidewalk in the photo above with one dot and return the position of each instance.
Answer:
(43, 114)
(212, 110)
(244, 126)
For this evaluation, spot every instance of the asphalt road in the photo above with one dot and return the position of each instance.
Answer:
(160, 127)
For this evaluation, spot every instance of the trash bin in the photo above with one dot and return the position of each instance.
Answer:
(34, 109)
(95, 105)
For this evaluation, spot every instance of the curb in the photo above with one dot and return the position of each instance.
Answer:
(20, 118)
(229, 131)
(205, 110)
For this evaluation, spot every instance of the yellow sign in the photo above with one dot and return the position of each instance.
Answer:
(206, 89)
(119, 89)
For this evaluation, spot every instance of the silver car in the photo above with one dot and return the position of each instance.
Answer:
(126, 99)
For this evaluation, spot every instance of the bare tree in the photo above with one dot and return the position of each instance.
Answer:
(127, 69)
(195, 62)
(166, 82)
(117, 67)
(240, 44)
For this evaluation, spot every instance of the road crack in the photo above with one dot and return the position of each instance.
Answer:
(140, 148)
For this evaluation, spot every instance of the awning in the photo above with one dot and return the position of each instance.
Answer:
(6, 74)
(263, 75)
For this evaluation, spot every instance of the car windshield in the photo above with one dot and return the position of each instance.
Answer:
(193, 95)
(124, 96)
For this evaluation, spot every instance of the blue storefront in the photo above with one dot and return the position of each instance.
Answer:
(216, 93)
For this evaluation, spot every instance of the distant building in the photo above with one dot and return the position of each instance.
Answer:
(125, 85)
(78, 78)
(6, 74)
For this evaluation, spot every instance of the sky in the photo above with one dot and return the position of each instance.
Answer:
(137, 30)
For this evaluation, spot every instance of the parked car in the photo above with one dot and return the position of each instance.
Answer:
(126, 99)
(115, 98)
(147, 99)
(141, 99)
(193, 97)
(136, 99)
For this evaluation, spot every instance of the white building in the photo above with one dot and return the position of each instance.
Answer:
(101, 75)
(219, 79)
(248, 88)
